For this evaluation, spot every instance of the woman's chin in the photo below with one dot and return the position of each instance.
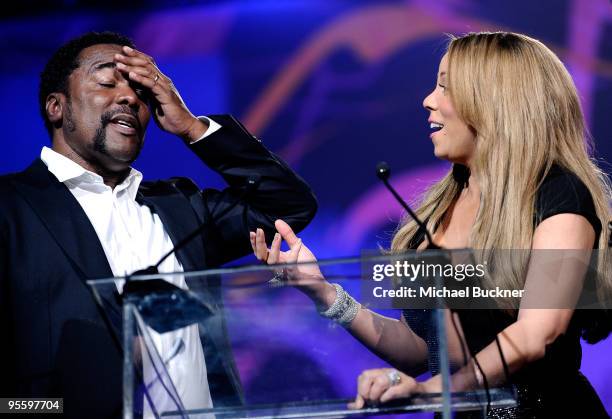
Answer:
(440, 153)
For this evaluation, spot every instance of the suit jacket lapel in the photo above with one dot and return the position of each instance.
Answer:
(65, 219)
(68, 224)
(179, 220)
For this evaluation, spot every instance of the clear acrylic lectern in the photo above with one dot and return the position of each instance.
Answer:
(250, 342)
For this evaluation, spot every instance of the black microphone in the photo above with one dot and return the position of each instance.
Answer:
(161, 293)
(384, 172)
(251, 184)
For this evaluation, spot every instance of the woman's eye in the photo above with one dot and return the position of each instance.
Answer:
(443, 87)
(107, 84)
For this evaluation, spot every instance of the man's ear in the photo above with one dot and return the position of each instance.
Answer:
(55, 107)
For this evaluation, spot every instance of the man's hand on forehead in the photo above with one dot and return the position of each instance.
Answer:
(140, 67)
(169, 110)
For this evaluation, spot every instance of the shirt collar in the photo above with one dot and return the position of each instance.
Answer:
(66, 170)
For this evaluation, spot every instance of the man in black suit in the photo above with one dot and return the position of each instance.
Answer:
(80, 212)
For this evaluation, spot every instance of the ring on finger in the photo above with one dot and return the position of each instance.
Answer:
(278, 279)
(155, 79)
(394, 377)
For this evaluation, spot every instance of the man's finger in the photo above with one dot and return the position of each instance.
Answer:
(143, 71)
(159, 91)
(286, 232)
(131, 52)
(145, 81)
(142, 66)
(133, 61)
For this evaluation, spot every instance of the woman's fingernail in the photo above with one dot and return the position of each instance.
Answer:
(276, 237)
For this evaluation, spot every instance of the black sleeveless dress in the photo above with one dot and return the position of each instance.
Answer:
(552, 387)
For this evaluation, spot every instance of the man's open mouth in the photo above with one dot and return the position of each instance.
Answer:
(126, 124)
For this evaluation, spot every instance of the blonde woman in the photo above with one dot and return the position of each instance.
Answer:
(506, 114)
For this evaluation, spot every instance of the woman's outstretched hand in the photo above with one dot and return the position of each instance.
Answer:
(273, 254)
(308, 276)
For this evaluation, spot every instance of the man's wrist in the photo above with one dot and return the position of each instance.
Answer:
(196, 130)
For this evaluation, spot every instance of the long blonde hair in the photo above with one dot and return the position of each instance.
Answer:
(522, 103)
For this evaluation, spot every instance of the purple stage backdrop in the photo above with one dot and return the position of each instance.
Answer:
(332, 86)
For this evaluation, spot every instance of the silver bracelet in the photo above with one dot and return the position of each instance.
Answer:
(336, 306)
(344, 308)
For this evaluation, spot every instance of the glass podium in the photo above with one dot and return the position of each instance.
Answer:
(250, 342)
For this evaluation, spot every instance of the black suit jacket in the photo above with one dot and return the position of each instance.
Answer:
(54, 341)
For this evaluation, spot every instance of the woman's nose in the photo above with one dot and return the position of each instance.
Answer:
(429, 102)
